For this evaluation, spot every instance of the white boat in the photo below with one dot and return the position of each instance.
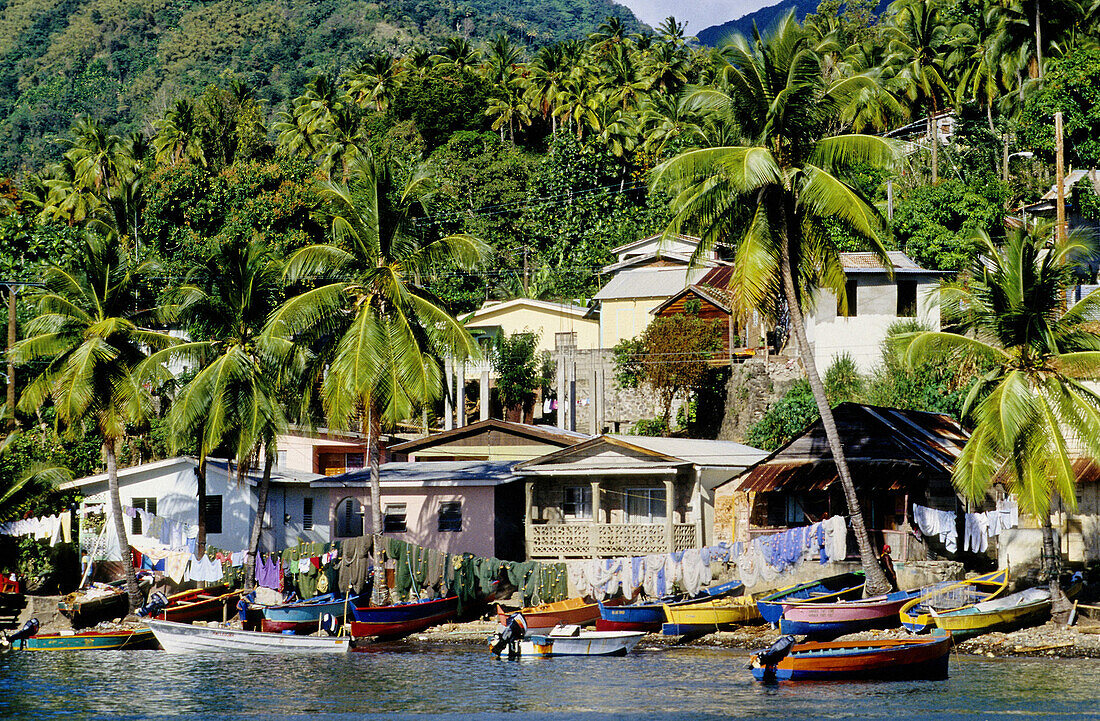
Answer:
(183, 638)
(573, 641)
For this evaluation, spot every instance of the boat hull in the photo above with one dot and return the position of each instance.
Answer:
(712, 613)
(133, 639)
(303, 618)
(916, 615)
(573, 611)
(184, 638)
(1017, 609)
(588, 643)
(834, 588)
(829, 620)
(891, 660)
(214, 604)
(401, 619)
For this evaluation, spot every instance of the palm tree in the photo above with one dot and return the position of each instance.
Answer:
(918, 54)
(375, 329)
(769, 195)
(1032, 413)
(509, 110)
(179, 134)
(548, 71)
(98, 156)
(501, 60)
(86, 342)
(458, 55)
(375, 82)
(233, 401)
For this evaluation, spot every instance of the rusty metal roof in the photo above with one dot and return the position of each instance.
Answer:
(870, 262)
(886, 448)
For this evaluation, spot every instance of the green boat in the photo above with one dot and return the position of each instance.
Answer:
(128, 639)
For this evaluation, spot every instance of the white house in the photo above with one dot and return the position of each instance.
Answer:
(876, 301)
(169, 489)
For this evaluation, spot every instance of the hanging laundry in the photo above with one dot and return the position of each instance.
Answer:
(937, 524)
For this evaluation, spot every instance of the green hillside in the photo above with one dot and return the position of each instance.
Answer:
(117, 60)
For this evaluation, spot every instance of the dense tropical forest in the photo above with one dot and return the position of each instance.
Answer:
(312, 223)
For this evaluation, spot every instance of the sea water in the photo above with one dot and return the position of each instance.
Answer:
(419, 681)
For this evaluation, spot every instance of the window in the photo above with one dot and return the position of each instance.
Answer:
(149, 505)
(213, 514)
(450, 516)
(394, 518)
(349, 518)
(794, 512)
(307, 514)
(353, 461)
(577, 502)
(280, 459)
(645, 505)
(851, 292)
(907, 299)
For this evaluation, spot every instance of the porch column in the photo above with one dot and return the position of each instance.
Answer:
(595, 530)
(460, 393)
(669, 505)
(561, 391)
(448, 393)
(700, 511)
(485, 396)
(528, 530)
(571, 389)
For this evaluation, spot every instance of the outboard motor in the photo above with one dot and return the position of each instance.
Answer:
(157, 603)
(29, 629)
(329, 624)
(770, 657)
(514, 631)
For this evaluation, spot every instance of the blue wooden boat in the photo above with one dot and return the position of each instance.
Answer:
(829, 620)
(401, 619)
(833, 588)
(904, 659)
(304, 616)
(651, 616)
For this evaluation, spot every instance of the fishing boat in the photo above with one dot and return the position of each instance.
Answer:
(545, 616)
(829, 620)
(1011, 610)
(305, 616)
(184, 637)
(651, 616)
(401, 619)
(916, 615)
(842, 587)
(216, 603)
(515, 641)
(28, 638)
(706, 615)
(87, 607)
(905, 659)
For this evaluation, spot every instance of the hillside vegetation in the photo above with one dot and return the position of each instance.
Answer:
(123, 61)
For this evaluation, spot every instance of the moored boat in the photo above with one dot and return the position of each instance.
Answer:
(401, 619)
(829, 620)
(545, 616)
(1011, 610)
(305, 616)
(651, 616)
(215, 603)
(903, 659)
(916, 615)
(567, 640)
(834, 588)
(100, 602)
(183, 637)
(708, 614)
(28, 638)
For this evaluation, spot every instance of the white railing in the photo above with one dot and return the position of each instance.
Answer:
(577, 540)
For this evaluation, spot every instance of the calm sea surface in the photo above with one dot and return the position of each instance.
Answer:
(687, 683)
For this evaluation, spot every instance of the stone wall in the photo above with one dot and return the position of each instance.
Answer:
(753, 388)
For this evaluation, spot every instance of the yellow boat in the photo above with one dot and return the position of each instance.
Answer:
(713, 612)
(1017, 608)
(948, 597)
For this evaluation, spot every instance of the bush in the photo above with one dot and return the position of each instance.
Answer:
(649, 427)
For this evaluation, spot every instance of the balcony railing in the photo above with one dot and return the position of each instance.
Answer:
(585, 540)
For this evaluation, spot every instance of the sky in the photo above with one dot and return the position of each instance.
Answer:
(699, 14)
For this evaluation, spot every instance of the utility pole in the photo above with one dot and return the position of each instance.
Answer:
(13, 289)
(890, 199)
(525, 291)
(1060, 173)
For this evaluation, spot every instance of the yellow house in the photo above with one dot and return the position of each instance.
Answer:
(546, 319)
(627, 300)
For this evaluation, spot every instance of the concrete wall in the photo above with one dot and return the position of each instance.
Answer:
(624, 319)
(545, 322)
(422, 515)
(300, 454)
(861, 336)
(285, 512)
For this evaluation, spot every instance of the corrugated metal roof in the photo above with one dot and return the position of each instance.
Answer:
(870, 262)
(649, 283)
(428, 473)
(886, 448)
(699, 451)
(550, 434)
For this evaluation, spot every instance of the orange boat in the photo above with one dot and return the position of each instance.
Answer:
(900, 659)
(545, 616)
(216, 603)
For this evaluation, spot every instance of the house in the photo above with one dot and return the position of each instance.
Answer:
(488, 440)
(325, 451)
(626, 495)
(659, 251)
(169, 489)
(452, 506)
(543, 318)
(896, 457)
(876, 301)
(710, 299)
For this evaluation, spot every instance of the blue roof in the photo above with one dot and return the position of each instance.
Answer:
(428, 473)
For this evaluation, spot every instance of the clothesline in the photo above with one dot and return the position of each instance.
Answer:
(56, 528)
(767, 557)
(655, 573)
(978, 528)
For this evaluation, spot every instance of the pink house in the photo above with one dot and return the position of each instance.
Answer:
(453, 506)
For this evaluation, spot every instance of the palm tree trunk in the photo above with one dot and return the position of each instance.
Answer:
(120, 525)
(374, 433)
(934, 135)
(1038, 45)
(257, 523)
(200, 479)
(876, 579)
(1051, 566)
